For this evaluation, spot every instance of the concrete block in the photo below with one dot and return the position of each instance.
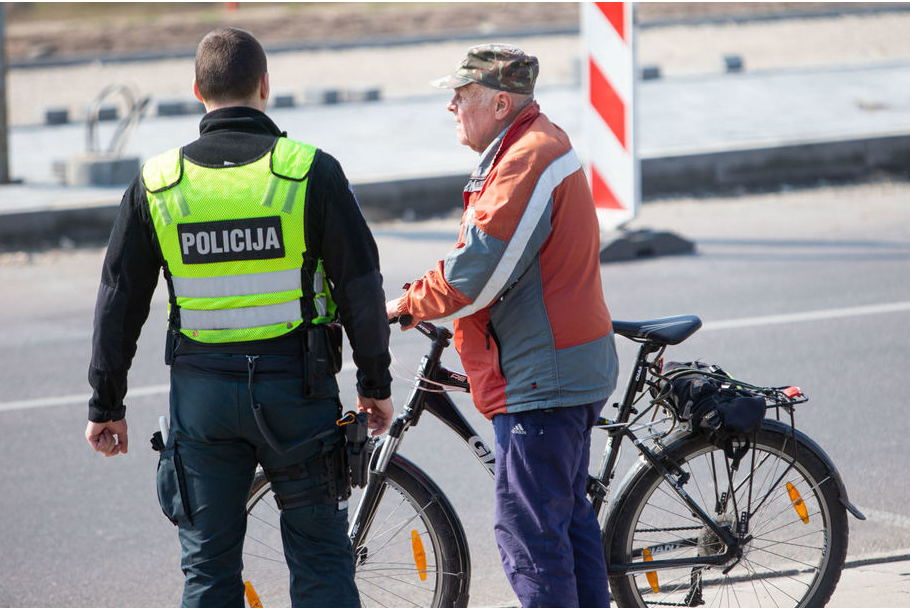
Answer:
(179, 107)
(170, 108)
(638, 244)
(56, 116)
(322, 96)
(284, 100)
(356, 94)
(650, 72)
(107, 113)
(733, 64)
(100, 170)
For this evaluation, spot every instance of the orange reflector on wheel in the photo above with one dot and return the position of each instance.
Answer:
(420, 556)
(652, 576)
(251, 598)
(798, 503)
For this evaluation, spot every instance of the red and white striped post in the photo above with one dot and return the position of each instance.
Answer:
(610, 111)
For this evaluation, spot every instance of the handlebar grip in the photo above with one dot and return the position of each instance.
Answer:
(404, 320)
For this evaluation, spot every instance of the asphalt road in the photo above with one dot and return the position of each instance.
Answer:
(807, 287)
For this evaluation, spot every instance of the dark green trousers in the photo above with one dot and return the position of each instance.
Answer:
(207, 468)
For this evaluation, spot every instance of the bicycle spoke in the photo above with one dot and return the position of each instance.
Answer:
(399, 596)
(784, 557)
(266, 546)
(265, 521)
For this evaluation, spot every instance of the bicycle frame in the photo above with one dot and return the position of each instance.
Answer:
(426, 396)
(431, 374)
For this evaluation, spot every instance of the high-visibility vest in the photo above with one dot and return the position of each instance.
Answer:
(233, 243)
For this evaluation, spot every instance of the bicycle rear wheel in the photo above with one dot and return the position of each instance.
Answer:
(414, 553)
(797, 523)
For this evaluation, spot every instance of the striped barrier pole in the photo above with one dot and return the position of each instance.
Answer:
(609, 78)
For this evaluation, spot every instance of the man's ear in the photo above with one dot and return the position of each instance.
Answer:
(264, 87)
(196, 91)
(502, 105)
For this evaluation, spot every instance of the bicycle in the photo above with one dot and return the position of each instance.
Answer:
(686, 527)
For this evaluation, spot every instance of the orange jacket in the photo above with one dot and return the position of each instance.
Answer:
(523, 281)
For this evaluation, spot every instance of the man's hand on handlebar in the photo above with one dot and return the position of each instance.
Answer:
(380, 412)
(391, 310)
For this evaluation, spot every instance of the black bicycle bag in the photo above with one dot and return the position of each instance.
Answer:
(706, 395)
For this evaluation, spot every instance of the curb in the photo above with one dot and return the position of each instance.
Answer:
(797, 163)
(89, 219)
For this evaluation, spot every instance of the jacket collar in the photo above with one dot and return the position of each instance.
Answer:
(238, 118)
(505, 139)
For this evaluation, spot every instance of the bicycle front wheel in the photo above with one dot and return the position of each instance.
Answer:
(413, 554)
(794, 545)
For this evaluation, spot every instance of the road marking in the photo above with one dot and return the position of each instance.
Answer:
(142, 391)
(814, 315)
(797, 317)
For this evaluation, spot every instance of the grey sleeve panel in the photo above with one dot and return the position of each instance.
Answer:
(468, 268)
(507, 264)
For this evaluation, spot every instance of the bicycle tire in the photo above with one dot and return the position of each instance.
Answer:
(794, 558)
(388, 571)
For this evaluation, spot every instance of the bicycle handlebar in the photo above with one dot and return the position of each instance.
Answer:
(425, 327)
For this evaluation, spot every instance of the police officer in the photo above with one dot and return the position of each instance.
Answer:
(263, 247)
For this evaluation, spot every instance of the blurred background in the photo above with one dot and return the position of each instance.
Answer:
(774, 136)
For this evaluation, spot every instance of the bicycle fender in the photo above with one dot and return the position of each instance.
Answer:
(819, 453)
(612, 505)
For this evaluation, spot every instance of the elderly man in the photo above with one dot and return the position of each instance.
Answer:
(535, 337)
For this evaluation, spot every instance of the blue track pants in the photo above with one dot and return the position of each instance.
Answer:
(547, 533)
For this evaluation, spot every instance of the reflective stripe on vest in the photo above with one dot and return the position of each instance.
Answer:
(233, 241)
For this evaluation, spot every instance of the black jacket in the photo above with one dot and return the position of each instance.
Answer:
(335, 231)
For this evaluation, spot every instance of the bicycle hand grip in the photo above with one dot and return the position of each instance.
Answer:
(404, 320)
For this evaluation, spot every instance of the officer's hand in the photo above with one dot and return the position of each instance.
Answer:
(380, 413)
(109, 438)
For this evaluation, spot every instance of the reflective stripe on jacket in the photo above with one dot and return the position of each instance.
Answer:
(233, 242)
(523, 281)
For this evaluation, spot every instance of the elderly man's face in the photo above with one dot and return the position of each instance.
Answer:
(474, 108)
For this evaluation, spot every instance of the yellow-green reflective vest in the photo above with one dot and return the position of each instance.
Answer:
(233, 241)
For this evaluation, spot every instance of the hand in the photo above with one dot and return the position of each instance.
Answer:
(380, 413)
(109, 438)
(391, 310)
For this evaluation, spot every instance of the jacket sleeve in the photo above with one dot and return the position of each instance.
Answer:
(501, 235)
(337, 231)
(128, 280)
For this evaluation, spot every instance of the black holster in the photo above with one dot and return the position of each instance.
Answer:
(358, 449)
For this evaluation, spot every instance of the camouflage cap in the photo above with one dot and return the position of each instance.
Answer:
(498, 66)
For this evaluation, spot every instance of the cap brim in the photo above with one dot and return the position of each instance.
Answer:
(450, 82)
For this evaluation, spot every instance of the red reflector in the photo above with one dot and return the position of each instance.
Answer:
(793, 392)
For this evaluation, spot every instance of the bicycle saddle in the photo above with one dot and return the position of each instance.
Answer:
(668, 330)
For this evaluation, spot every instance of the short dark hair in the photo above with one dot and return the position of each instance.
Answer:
(230, 63)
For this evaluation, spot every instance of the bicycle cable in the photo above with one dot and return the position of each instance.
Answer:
(415, 380)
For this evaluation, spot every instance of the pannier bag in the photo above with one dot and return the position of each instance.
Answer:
(716, 408)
